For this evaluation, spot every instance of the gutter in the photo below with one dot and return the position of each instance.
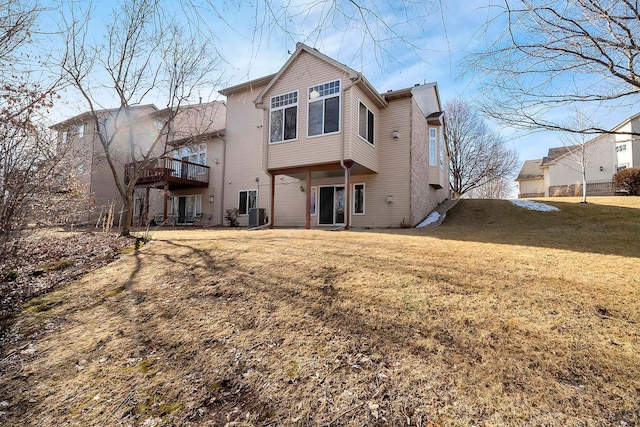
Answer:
(224, 174)
(272, 181)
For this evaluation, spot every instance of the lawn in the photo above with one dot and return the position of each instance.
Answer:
(500, 316)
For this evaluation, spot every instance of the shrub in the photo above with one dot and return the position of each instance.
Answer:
(231, 216)
(628, 180)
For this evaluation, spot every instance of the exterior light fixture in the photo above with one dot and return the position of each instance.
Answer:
(395, 134)
(210, 199)
(302, 188)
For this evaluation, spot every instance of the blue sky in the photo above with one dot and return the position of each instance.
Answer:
(427, 43)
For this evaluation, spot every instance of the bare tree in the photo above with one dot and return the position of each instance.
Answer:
(581, 150)
(553, 53)
(147, 53)
(369, 30)
(478, 155)
(500, 188)
(29, 158)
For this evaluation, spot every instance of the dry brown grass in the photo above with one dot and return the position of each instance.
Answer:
(501, 316)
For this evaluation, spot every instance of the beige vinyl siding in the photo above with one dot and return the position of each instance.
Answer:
(304, 72)
(290, 202)
(393, 177)
(243, 161)
(531, 186)
(212, 213)
(634, 145)
(358, 149)
(630, 157)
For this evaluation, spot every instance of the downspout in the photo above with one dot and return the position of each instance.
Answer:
(224, 175)
(266, 171)
(347, 207)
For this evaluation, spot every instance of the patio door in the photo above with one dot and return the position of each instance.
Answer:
(331, 205)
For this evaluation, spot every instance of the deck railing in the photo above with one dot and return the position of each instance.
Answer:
(167, 169)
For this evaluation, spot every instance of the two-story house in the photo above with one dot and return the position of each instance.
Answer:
(91, 168)
(314, 145)
(559, 173)
(190, 174)
(317, 145)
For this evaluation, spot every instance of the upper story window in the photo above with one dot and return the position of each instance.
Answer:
(196, 153)
(433, 147)
(283, 119)
(324, 108)
(80, 130)
(366, 123)
(65, 136)
(621, 147)
(442, 154)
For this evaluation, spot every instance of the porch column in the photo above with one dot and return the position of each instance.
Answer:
(347, 204)
(308, 223)
(166, 200)
(146, 206)
(273, 199)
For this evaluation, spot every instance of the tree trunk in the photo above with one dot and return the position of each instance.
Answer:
(128, 216)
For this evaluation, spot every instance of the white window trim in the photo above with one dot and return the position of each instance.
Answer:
(364, 199)
(284, 107)
(314, 192)
(433, 160)
(248, 190)
(334, 186)
(322, 98)
(373, 144)
(197, 204)
(441, 154)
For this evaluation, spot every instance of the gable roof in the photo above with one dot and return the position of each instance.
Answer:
(261, 81)
(554, 154)
(354, 76)
(87, 115)
(531, 170)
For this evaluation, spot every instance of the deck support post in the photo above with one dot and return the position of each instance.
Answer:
(308, 216)
(273, 199)
(166, 200)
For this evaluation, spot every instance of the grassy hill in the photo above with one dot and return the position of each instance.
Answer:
(500, 316)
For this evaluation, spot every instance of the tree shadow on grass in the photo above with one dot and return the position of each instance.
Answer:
(589, 228)
(226, 285)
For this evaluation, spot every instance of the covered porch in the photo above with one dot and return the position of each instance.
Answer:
(330, 204)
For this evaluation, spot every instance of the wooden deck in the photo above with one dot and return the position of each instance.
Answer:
(173, 172)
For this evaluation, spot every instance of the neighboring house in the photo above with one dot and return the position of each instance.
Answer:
(559, 173)
(190, 176)
(531, 179)
(312, 145)
(91, 167)
(316, 145)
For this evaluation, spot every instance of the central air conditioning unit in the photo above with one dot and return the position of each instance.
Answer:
(257, 217)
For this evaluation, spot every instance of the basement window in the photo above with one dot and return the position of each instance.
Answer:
(247, 199)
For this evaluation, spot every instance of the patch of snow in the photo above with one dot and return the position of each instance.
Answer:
(433, 217)
(534, 206)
